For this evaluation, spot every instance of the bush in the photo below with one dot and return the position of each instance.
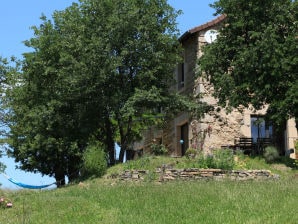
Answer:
(205, 161)
(271, 154)
(158, 149)
(220, 159)
(95, 161)
(191, 153)
(223, 159)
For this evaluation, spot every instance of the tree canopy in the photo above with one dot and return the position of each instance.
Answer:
(254, 60)
(99, 71)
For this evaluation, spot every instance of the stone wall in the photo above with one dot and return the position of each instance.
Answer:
(162, 174)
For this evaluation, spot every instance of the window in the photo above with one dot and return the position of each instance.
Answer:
(180, 75)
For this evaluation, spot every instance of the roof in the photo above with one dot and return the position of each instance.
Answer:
(202, 27)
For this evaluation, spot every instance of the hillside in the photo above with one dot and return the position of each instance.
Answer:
(108, 200)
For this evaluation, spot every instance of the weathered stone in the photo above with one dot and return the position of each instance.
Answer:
(207, 174)
(196, 174)
(168, 178)
(135, 176)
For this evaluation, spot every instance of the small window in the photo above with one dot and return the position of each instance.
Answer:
(181, 76)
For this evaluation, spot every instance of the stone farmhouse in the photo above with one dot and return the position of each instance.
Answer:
(247, 130)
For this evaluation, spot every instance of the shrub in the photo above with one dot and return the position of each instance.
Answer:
(223, 159)
(158, 149)
(191, 153)
(220, 159)
(271, 154)
(240, 160)
(205, 161)
(94, 161)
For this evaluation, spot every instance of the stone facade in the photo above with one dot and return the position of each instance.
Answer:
(217, 128)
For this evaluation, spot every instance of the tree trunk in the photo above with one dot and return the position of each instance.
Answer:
(124, 138)
(123, 148)
(74, 174)
(60, 177)
(110, 141)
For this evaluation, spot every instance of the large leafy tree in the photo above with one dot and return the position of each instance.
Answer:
(132, 46)
(254, 60)
(46, 117)
(143, 50)
(99, 70)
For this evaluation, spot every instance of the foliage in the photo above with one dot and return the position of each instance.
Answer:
(289, 162)
(94, 161)
(241, 160)
(219, 159)
(5, 202)
(6, 67)
(205, 161)
(223, 159)
(271, 154)
(191, 153)
(142, 47)
(158, 149)
(49, 127)
(254, 60)
(96, 68)
(296, 145)
(2, 165)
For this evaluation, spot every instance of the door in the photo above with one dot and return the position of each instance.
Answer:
(184, 138)
(261, 133)
(260, 128)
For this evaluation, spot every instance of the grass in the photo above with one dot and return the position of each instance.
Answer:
(109, 201)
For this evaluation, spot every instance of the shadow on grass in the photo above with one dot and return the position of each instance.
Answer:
(289, 162)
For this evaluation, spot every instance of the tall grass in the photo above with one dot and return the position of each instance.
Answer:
(176, 202)
(110, 201)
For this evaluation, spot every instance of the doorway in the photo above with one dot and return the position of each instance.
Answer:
(183, 138)
(261, 128)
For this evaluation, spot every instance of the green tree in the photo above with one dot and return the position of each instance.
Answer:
(134, 45)
(44, 113)
(99, 71)
(254, 60)
(52, 111)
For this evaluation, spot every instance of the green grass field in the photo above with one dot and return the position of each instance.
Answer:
(109, 201)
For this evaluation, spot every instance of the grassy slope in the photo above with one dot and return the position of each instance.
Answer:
(106, 201)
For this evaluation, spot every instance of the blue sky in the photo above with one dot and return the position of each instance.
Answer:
(16, 18)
